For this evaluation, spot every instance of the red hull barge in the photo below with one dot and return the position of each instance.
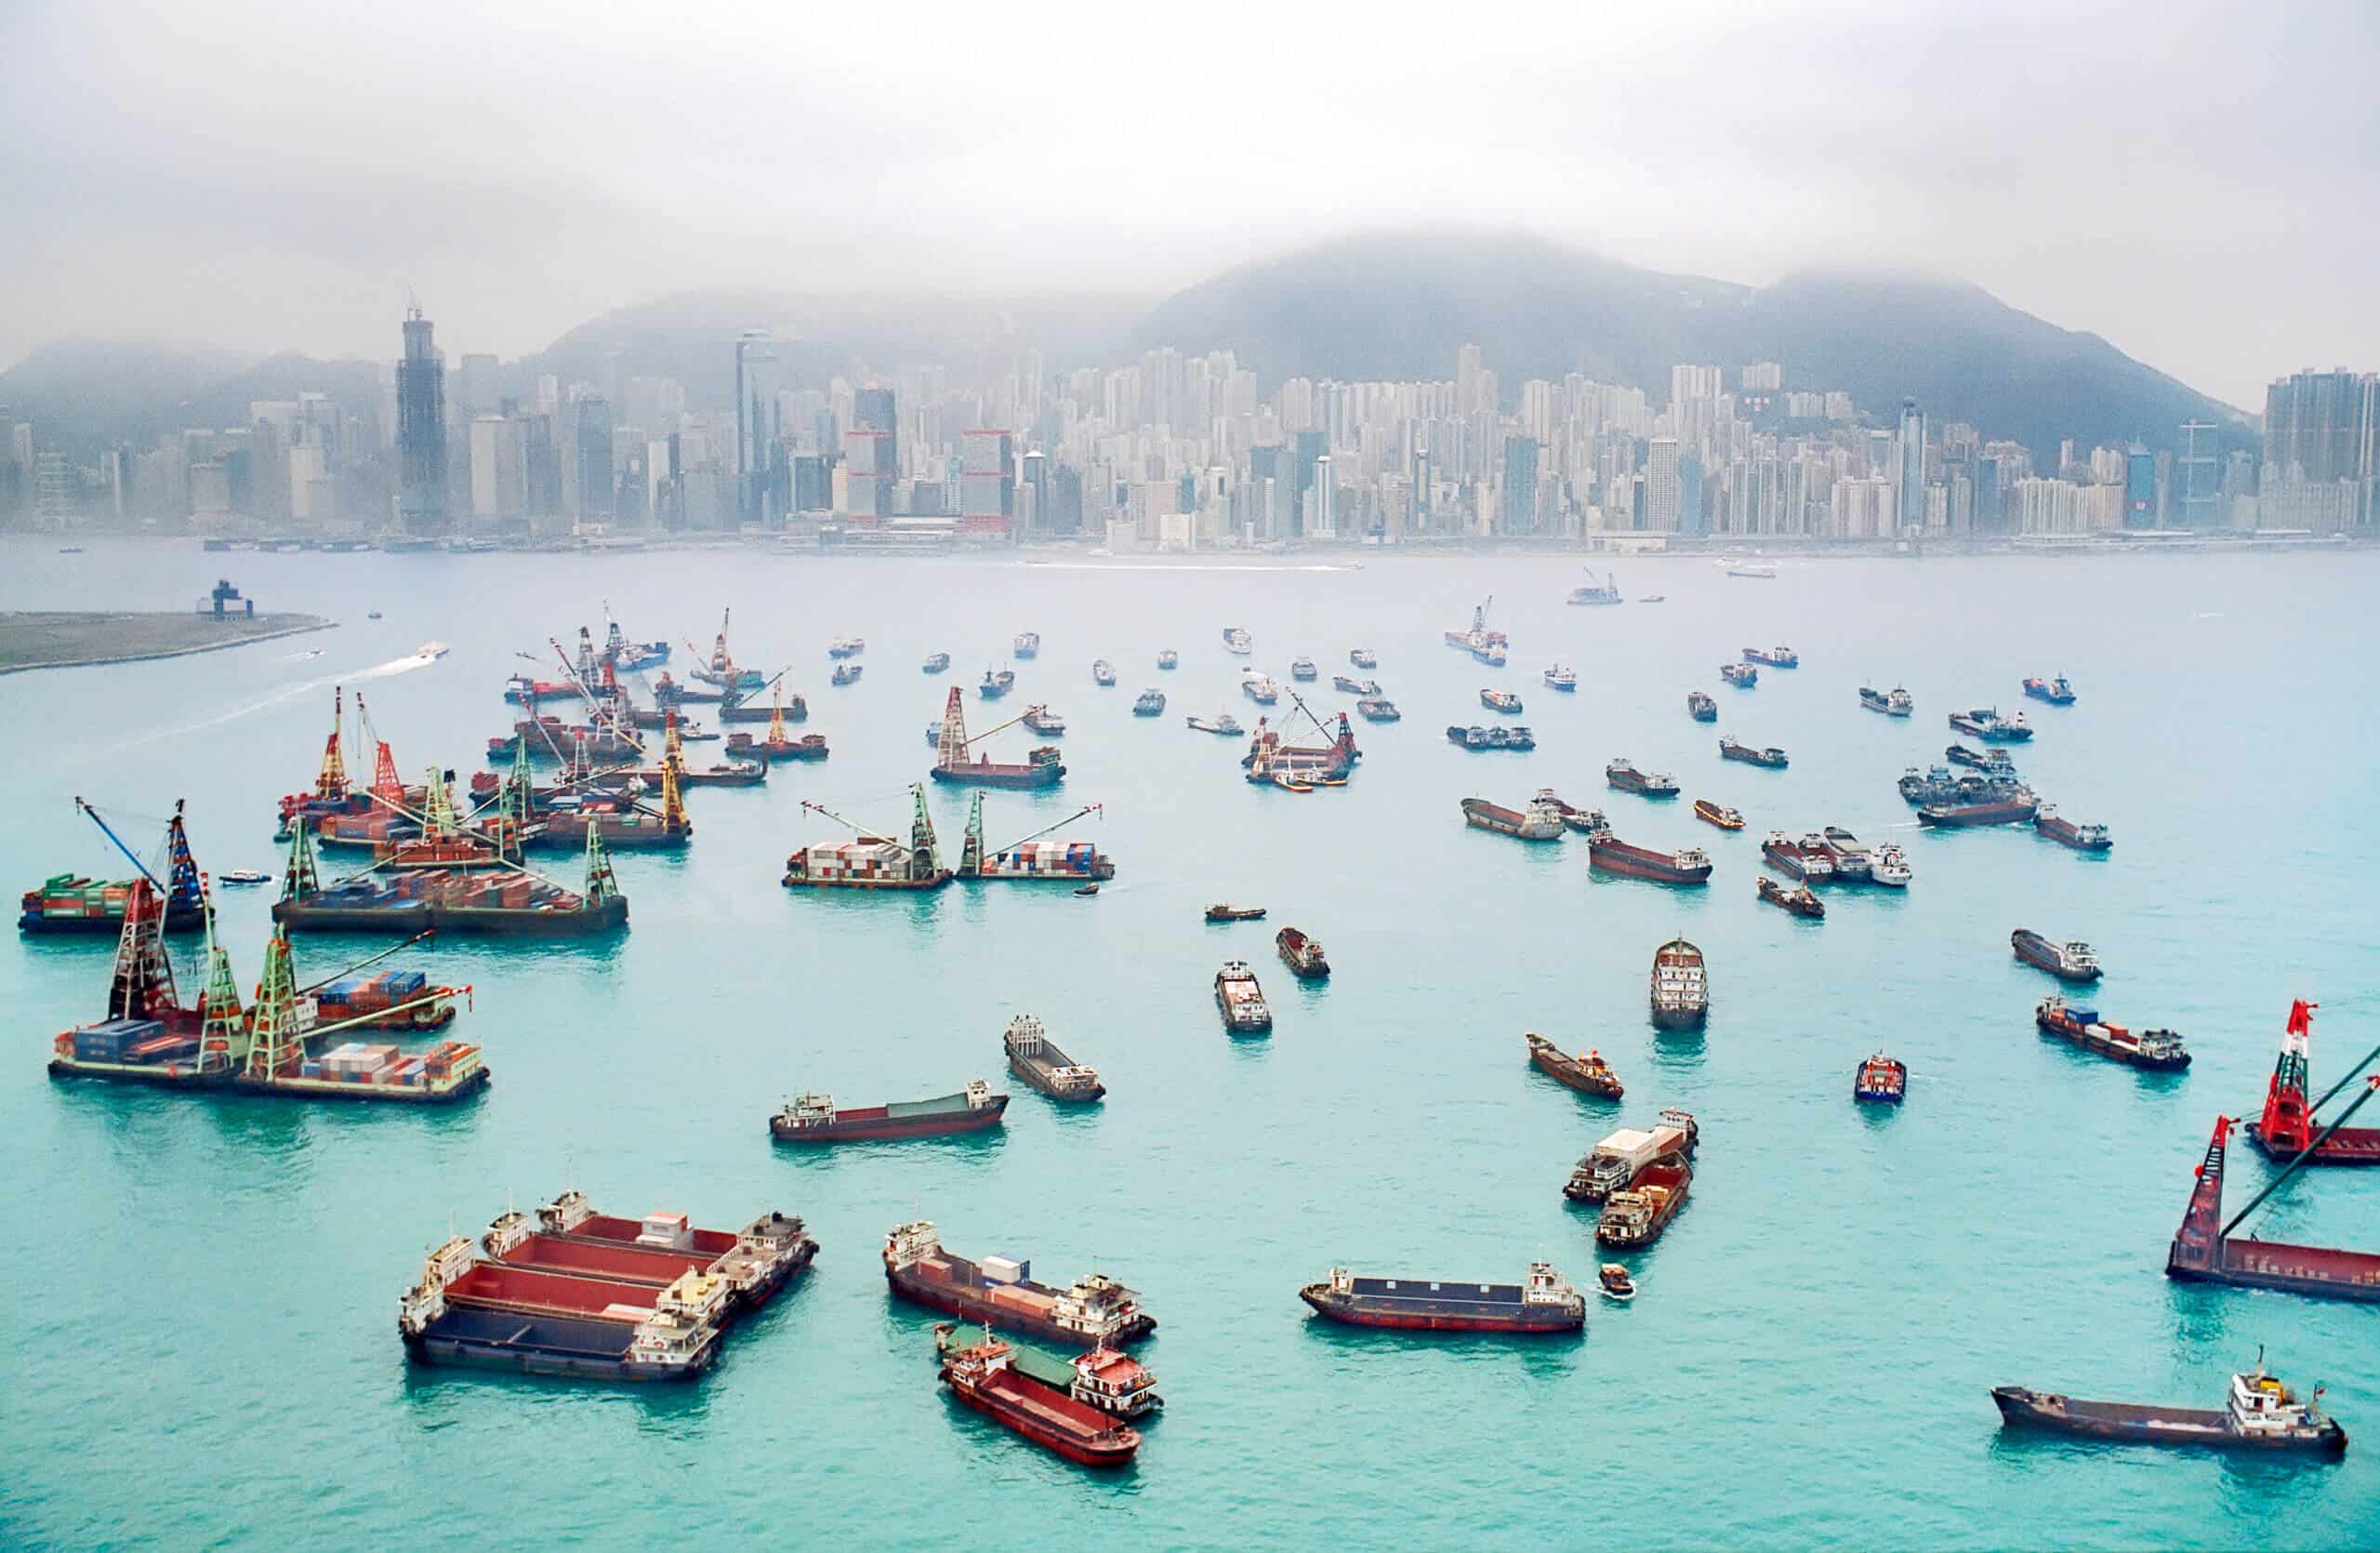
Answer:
(812, 1119)
(983, 1378)
(2201, 1253)
(1000, 1293)
(1607, 854)
(570, 1238)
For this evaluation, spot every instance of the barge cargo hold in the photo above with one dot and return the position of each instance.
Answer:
(2287, 1130)
(1634, 1217)
(485, 1316)
(1112, 1382)
(2049, 822)
(2203, 1251)
(1623, 774)
(755, 1262)
(1680, 987)
(812, 1119)
(1092, 1312)
(984, 1378)
(872, 862)
(2259, 1414)
(1240, 1001)
(1588, 1074)
(1796, 898)
(1798, 859)
(1034, 1058)
(1607, 854)
(1768, 759)
(1302, 955)
(1546, 1303)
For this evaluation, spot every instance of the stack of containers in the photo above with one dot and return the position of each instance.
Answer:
(108, 1041)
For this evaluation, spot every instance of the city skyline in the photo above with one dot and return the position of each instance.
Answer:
(2127, 180)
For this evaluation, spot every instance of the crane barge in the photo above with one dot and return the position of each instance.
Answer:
(874, 861)
(70, 903)
(1031, 858)
(1041, 767)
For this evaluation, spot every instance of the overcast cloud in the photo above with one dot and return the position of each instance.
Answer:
(2194, 181)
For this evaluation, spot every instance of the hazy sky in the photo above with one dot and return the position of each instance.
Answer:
(2197, 181)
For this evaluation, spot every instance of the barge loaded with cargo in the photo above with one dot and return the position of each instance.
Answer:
(71, 902)
(1302, 955)
(1241, 1000)
(1635, 1216)
(501, 900)
(1614, 1164)
(2156, 1050)
(1545, 1303)
(986, 1377)
(1032, 859)
(1095, 1311)
(1034, 1058)
(814, 1118)
(873, 861)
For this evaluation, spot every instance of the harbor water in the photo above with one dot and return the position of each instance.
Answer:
(202, 1342)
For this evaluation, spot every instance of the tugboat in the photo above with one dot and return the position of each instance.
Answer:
(2057, 692)
(1304, 669)
(1149, 703)
(985, 1379)
(1103, 672)
(1223, 723)
(1169, 659)
(1546, 1303)
(1542, 823)
(812, 1119)
(1027, 643)
(1743, 676)
(845, 673)
(1560, 678)
(1500, 700)
(2158, 1050)
(996, 685)
(1230, 913)
(1681, 988)
(1041, 719)
(2260, 1415)
(1622, 773)
(1796, 898)
(1721, 815)
(1302, 955)
(1378, 708)
(1770, 759)
(2081, 837)
(1613, 1283)
(937, 663)
(1635, 1216)
(1798, 859)
(1776, 657)
(1240, 1001)
(1589, 1074)
(2073, 960)
(1879, 1080)
(1363, 657)
(1700, 707)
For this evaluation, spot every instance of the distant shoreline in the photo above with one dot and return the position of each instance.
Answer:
(77, 632)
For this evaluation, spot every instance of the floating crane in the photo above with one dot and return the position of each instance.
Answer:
(1066, 862)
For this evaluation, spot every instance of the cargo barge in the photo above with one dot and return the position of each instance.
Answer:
(1347, 684)
(1726, 816)
(70, 903)
(1614, 1164)
(1041, 767)
(1700, 707)
(1680, 987)
(1270, 755)
(1032, 859)
(1588, 1074)
(2049, 822)
(1592, 592)
(1635, 1216)
(507, 902)
(2014, 810)
(1542, 822)
(1743, 676)
(871, 862)
(2057, 692)
(2158, 1050)
(1546, 1303)
(768, 750)
(2260, 1415)
(1240, 1001)
(812, 1119)
(1607, 854)
(1774, 657)
(1500, 700)
(1377, 709)
(2073, 960)
(1518, 737)
(1112, 1382)
(985, 1379)
(2204, 1252)
(1623, 774)
(1896, 702)
(1095, 1311)
(1987, 724)
(484, 1315)
(2287, 1129)
(1363, 658)
(1769, 759)
(1302, 955)
(1796, 898)
(754, 1262)
(1034, 1058)
(1935, 785)
(1799, 860)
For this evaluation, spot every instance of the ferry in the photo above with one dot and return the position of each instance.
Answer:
(1149, 703)
(1758, 570)
(1225, 724)
(1363, 657)
(1027, 643)
(1378, 708)
(1169, 659)
(1721, 815)
(1700, 707)
(1103, 672)
(2158, 1050)
(1500, 700)
(1795, 898)
(2260, 1414)
(1594, 592)
(2073, 960)
(1542, 822)
(1237, 641)
(2057, 692)
(1681, 988)
(937, 663)
(2047, 821)
(431, 652)
(1259, 688)
(244, 876)
(1771, 758)
(1622, 773)
(1743, 676)
(1882, 1080)
(1562, 679)
(1775, 657)
(1303, 669)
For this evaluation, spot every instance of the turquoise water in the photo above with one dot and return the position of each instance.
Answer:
(203, 1293)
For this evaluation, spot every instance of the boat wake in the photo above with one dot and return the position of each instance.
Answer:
(404, 665)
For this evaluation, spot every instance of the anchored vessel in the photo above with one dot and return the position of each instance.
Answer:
(1041, 719)
(1259, 687)
(2057, 692)
(937, 663)
(1587, 1074)
(70, 903)
(1041, 768)
(498, 901)
(1112, 1382)
(1743, 676)
(1149, 703)
(1347, 684)
(1680, 989)
(2203, 1250)
(1225, 724)
(1935, 785)
(1545, 1303)
(1986, 724)
(1623, 774)
(1775, 657)
(2073, 960)
(1772, 757)
(1880, 1079)
(2287, 1129)
(1377, 709)
(1034, 1058)
(846, 674)
(1560, 678)
(986, 1377)
(812, 1119)
(1103, 672)
(1592, 592)
(1542, 822)
(1169, 659)
(1226, 912)
(2084, 1027)
(1896, 702)
(871, 862)
(1271, 757)
(1032, 859)
(1614, 1164)
(1487, 647)
(1363, 658)
(1027, 643)
(2058, 827)
(1796, 898)
(1518, 737)
(1635, 1217)
(1725, 816)
(1798, 859)
(1302, 955)
(1096, 1311)
(1238, 642)
(2260, 1414)
(2014, 809)
(1852, 858)
(1240, 1001)
(1500, 700)
(1304, 669)
(996, 684)
(1608, 854)
(1700, 707)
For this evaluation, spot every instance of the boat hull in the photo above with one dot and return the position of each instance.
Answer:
(1423, 1315)
(978, 1306)
(543, 1346)
(2130, 1423)
(889, 1128)
(495, 921)
(2348, 1146)
(1605, 859)
(988, 776)
(1079, 1448)
(160, 1076)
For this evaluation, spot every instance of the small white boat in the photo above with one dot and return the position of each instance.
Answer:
(244, 876)
(432, 650)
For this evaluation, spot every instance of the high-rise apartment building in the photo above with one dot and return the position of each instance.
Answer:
(1518, 514)
(1909, 498)
(987, 483)
(421, 431)
(1664, 498)
(2324, 427)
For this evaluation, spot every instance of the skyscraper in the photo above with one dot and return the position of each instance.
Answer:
(421, 431)
(2140, 488)
(1664, 500)
(2322, 427)
(2199, 473)
(987, 483)
(596, 493)
(1910, 489)
(756, 424)
(1518, 508)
